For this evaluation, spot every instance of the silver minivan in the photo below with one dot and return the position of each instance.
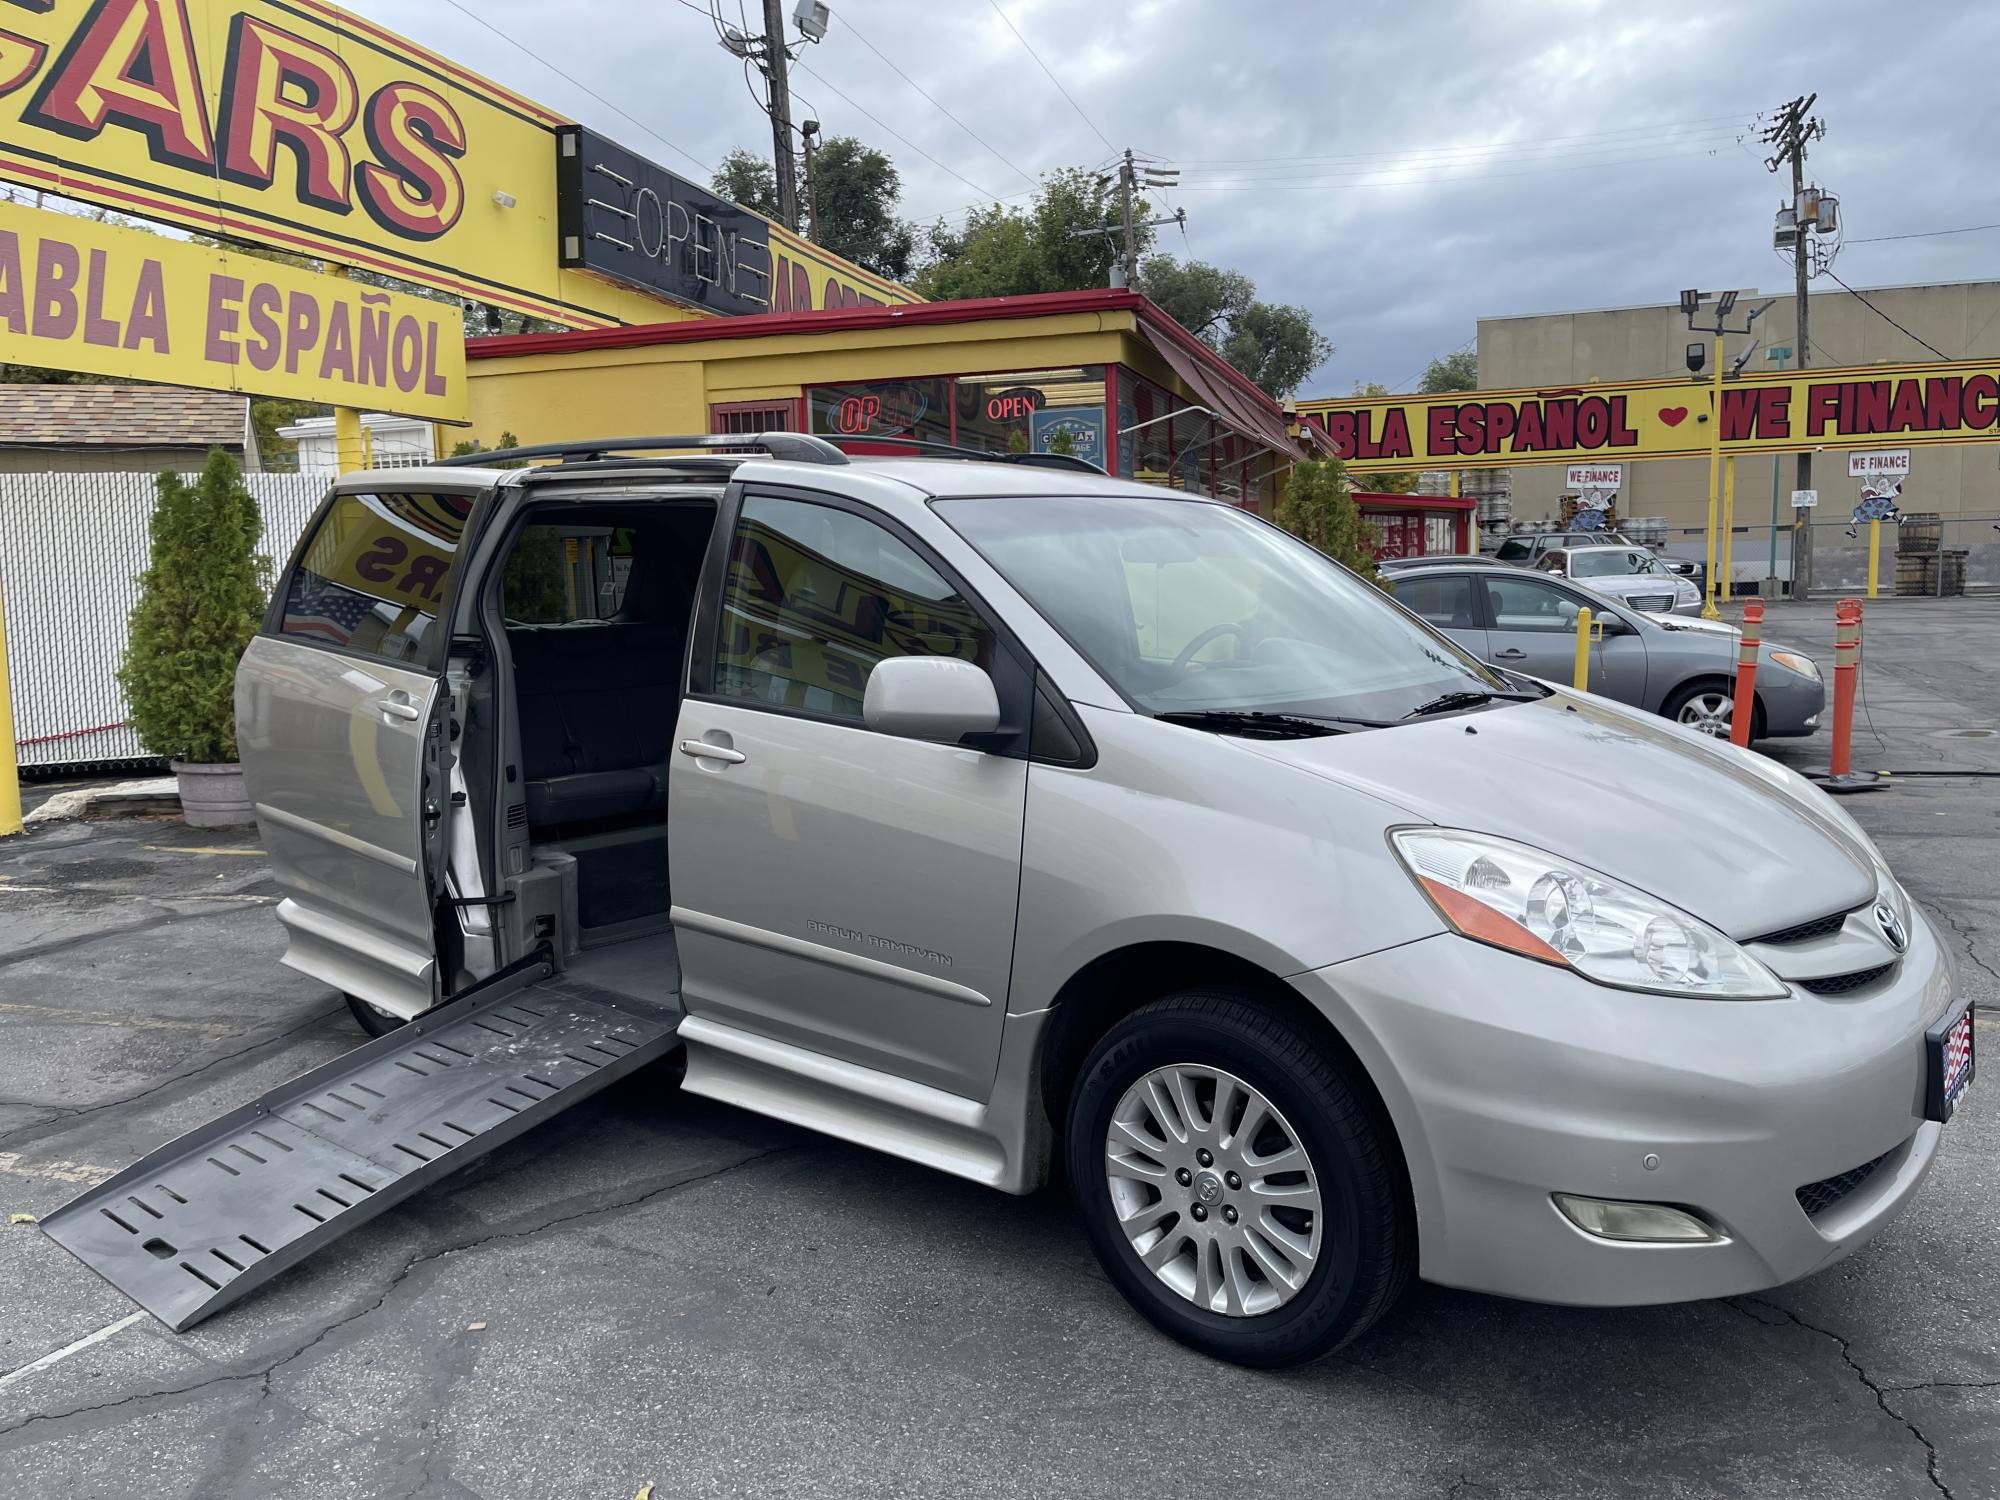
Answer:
(997, 815)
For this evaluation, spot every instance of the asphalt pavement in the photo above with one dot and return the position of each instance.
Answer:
(656, 1289)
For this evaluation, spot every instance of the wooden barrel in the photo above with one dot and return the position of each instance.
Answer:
(1915, 575)
(1919, 534)
(1954, 570)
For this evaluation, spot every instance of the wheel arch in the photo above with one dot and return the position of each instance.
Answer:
(1115, 984)
(1722, 680)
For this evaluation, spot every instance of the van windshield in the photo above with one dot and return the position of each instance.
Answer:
(1186, 606)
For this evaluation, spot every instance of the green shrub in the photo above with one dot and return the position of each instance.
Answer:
(202, 598)
(1318, 508)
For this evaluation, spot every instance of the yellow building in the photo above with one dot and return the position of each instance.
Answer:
(1103, 375)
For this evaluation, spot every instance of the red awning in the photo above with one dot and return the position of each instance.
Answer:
(1248, 411)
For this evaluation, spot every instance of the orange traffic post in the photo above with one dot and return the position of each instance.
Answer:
(1746, 672)
(1842, 777)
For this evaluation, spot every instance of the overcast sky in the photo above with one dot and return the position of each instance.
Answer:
(1472, 159)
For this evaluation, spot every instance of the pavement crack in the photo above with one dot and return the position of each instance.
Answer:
(1966, 936)
(150, 924)
(1879, 1392)
(68, 1113)
(264, 1374)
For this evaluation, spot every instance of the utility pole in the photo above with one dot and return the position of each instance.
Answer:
(1131, 177)
(1789, 134)
(809, 135)
(775, 60)
(1129, 260)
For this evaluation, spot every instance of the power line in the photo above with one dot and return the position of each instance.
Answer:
(847, 24)
(1708, 141)
(1320, 184)
(880, 124)
(1051, 76)
(1922, 234)
(579, 83)
(1524, 142)
(1884, 316)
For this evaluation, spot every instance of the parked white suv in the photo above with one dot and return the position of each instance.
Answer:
(981, 812)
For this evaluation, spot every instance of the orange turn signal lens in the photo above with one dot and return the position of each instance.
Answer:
(1477, 920)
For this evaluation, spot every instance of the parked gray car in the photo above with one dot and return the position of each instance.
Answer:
(1629, 573)
(990, 815)
(1526, 549)
(1680, 667)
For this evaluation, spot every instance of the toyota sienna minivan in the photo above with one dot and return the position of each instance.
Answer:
(998, 815)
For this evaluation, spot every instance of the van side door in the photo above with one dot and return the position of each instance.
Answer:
(844, 891)
(344, 735)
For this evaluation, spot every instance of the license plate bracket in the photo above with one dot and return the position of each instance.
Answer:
(1950, 1061)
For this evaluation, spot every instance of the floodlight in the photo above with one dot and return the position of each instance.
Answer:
(811, 17)
(1690, 301)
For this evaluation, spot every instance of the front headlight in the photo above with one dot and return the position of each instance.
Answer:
(1496, 891)
(1805, 666)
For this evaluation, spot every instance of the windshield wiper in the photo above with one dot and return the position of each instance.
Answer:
(1256, 724)
(1467, 698)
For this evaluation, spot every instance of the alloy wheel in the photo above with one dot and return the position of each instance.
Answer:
(1709, 712)
(1213, 1189)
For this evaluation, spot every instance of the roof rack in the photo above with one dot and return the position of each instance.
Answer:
(928, 449)
(798, 446)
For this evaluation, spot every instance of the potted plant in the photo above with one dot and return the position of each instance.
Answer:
(201, 599)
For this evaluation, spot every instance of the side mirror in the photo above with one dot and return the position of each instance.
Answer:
(930, 698)
(1614, 625)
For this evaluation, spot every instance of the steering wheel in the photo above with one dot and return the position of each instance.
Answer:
(1213, 633)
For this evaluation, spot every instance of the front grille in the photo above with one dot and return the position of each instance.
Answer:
(1817, 1198)
(1841, 984)
(1805, 932)
(1654, 602)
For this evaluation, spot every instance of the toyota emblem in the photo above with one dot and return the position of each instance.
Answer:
(1892, 926)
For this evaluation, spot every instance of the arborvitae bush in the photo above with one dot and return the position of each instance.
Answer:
(202, 598)
(1318, 508)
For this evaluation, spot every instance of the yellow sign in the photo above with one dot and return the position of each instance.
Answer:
(302, 127)
(79, 295)
(1871, 406)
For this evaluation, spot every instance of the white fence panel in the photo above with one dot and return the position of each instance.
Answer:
(72, 547)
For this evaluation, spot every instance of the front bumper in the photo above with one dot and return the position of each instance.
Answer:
(1509, 1080)
(1792, 702)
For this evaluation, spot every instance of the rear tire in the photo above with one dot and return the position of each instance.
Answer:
(1204, 1107)
(372, 1018)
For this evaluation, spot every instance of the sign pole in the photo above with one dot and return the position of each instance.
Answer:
(348, 452)
(1708, 609)
(1729, 528)
(1874, 556)
(10, 773)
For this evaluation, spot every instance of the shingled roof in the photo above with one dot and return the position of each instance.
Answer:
(119, 416)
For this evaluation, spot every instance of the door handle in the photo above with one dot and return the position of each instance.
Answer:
(703, 750)
(1510, 654)
(398, 708)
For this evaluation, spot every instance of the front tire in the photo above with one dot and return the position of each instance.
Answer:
(372, 1018)
(1235, 1182)
(1710, 706)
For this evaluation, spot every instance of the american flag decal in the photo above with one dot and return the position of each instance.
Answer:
(1953, 1062)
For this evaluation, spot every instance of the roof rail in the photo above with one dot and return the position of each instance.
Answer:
(793, 445)
(929, 449)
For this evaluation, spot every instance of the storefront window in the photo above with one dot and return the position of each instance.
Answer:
(919, 409)
(1034, 411)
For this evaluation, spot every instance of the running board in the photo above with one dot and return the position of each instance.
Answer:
(186, 1231)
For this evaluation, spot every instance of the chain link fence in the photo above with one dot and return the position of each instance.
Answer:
(1922, 554)
(72, 547)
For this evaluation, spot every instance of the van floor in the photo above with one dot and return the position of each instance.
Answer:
(641, 968)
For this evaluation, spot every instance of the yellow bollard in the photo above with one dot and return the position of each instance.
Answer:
(1708, 609)
(1874, 556)
(10, 771)
(1582, 673)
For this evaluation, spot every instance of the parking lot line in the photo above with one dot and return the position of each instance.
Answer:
(57, 1356)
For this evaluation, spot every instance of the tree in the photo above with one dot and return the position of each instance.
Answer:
(1276, 346)
(1318, 508)
(201, 599)
(855, 189)
(1457, 371)
(1013, 252)
(745, 177)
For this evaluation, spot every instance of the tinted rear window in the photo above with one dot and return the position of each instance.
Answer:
(375, 572)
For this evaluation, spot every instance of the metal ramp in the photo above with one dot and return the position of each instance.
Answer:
(205, 1219)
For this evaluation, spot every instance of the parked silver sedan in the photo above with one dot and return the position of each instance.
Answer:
(1626, 572)
(1673, 665)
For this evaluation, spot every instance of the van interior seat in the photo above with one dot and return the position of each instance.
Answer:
(598, 704)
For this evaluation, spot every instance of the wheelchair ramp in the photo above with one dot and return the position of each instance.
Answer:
(204, 1220)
